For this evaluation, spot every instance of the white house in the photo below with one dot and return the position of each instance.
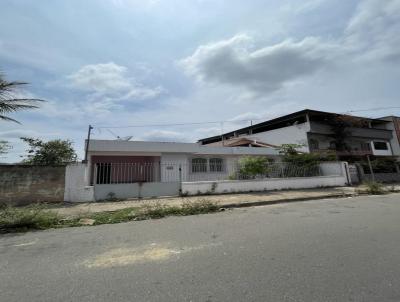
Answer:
(113, 161)
(135, 169)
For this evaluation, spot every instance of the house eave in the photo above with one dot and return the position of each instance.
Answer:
(167, 147)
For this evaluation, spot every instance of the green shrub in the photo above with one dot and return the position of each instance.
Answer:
(374, 187)
(298, 163)
(24, 218)
(251, 166)
(233, 176)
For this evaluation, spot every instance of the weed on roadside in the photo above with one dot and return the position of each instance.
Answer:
(374, 187)
(24, 218)
(188, 208)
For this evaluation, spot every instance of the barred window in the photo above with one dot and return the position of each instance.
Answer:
(216, 164)
(199, 165)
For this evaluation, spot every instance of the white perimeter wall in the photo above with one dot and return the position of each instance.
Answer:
(336, 175)
(136, 190)
(77, 188)
(235, 186)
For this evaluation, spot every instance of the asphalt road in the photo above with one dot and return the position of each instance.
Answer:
(325, 250)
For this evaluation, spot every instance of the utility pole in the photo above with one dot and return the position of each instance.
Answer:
(222, 134)
(370, 168)
(87, 144)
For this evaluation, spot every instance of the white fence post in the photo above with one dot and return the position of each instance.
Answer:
(77, 188)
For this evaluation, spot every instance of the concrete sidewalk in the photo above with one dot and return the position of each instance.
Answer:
(225, 200)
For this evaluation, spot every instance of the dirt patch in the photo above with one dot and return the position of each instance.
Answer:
(130, 256)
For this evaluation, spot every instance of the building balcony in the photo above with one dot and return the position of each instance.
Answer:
(343, 153)
(372, 133)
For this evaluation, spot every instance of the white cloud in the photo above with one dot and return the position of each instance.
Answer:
(112, 81)
(103, 78)
(17, 133)
(303, 6)
(163, 136)
(373, 31)
(206, 132)
(143, 4)
(266, 69)
(245, 118)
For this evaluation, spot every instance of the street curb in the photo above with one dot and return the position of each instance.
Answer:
(287, 200)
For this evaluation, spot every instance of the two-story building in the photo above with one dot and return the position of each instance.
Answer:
(318, 131)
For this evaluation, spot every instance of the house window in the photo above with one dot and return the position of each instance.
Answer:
(332, 145)
(199, 165)
(216, 164)
(380, 146)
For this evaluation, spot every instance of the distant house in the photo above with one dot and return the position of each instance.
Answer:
(117, 161)
(394, 125)
(314, 130)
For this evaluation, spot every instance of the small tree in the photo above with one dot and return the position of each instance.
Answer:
(289, 149)
(340, 125)
(250, 166)
(51, 153)
(298, 164)
(290, 153)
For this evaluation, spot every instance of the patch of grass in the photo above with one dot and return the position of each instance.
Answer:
(115, 216)
(374, 188)
(24, 218)
(188, 208)
(199, 207)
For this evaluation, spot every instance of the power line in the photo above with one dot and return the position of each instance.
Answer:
(374, 109)
(225, 121)
(175, 124)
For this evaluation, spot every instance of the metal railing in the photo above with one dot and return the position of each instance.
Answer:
(120, 173)
(115, 173)
(279, 170)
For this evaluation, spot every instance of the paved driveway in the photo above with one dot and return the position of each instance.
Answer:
(325, 250)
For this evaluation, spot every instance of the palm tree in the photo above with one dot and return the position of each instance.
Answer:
(10, 103)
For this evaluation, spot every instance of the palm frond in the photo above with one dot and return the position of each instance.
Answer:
(4, 107)
(9, 102)
(8, 86)
(8, 119)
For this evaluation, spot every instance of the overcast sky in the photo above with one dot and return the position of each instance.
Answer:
(154, 62)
